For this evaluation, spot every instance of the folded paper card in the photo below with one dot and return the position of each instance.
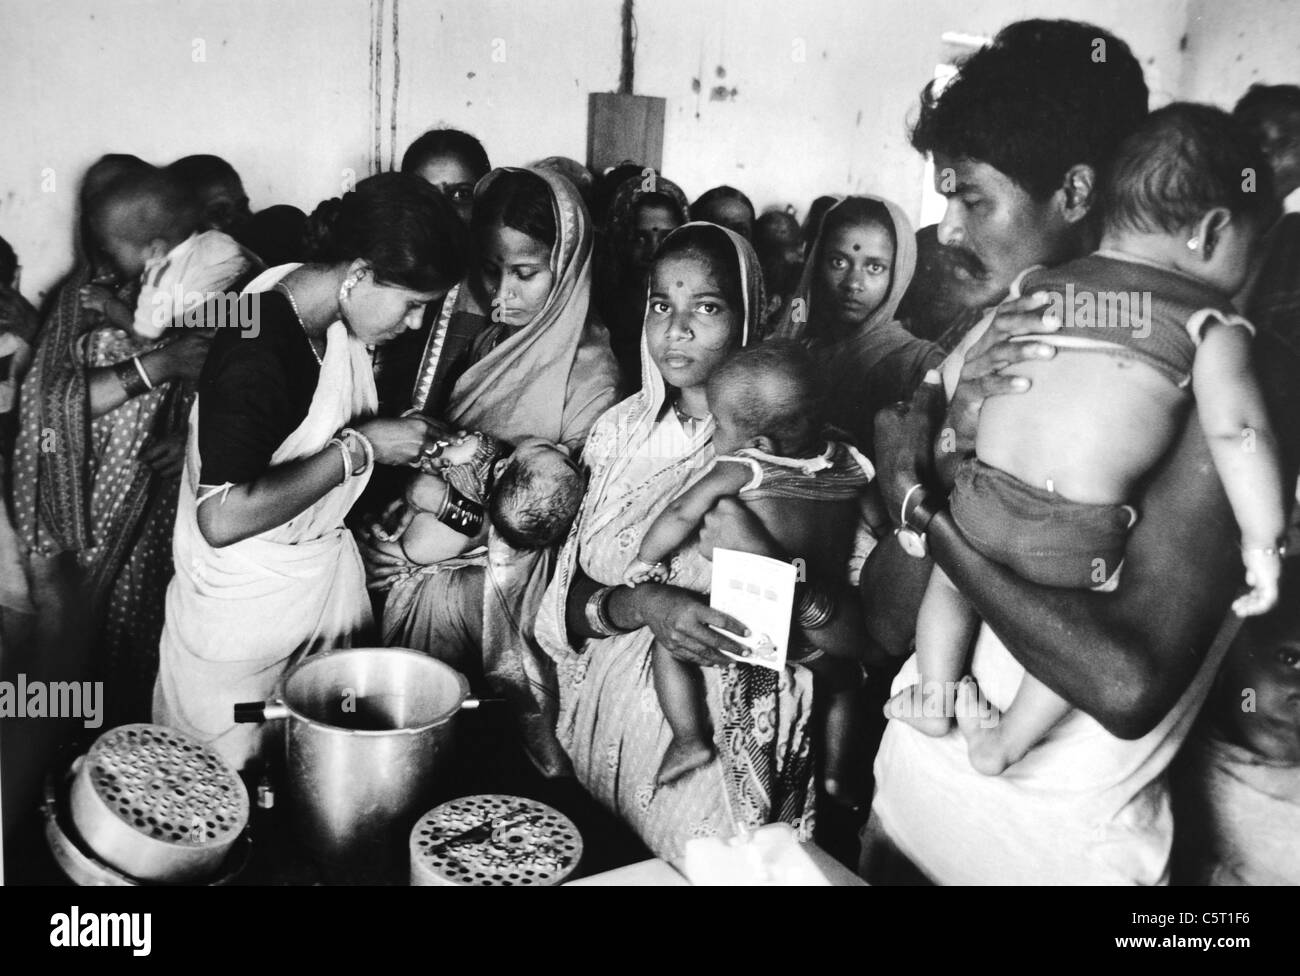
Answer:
(759, 592)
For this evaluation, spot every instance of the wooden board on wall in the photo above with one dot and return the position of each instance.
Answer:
(624, 127)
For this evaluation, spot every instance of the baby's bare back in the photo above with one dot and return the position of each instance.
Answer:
(1092, 425)
(818, 532)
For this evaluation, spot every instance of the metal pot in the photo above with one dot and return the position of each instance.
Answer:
(367, 732)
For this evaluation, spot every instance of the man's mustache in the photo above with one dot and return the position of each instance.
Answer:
(955, 256)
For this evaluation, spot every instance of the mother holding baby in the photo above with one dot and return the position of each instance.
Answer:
(516, 352)
(704, 303)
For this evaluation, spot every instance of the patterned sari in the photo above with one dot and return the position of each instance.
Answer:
(78, 488)
(610, 723)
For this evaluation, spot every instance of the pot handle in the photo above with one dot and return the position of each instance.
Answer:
(262, 711)
(472, 703)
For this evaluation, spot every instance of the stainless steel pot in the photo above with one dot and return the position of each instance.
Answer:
(367, 732)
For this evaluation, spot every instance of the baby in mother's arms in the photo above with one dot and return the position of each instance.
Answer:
(530, 497)
(1048, 492)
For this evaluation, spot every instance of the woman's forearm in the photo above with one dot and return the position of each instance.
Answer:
(282, 493)
(105, 391)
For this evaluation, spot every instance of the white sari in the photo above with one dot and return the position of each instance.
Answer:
(238, 617)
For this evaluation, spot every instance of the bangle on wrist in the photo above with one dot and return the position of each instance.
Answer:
(813, 607)
(345, 454)
(367, 450)
(144, 375)
(131, 379)
(1277, 549)
(596, 611)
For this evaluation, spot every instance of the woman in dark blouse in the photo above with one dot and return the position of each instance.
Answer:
(283, 441)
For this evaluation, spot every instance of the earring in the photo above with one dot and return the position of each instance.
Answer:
(349, 283)
(1194, 243)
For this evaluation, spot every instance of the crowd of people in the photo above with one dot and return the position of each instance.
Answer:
(1036, 465)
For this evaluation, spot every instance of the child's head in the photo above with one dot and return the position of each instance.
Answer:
(855, 262)
(1258, 693)
(140, 217)
(1194, 175)
(767, 397)
(217, 190)
(536, 495)
(514, 233)
(696, 310)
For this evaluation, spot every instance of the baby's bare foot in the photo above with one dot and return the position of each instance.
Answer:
(980, 723)
(683, 756)
(923, 706)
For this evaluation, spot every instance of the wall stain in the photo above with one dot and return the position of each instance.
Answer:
(721, 93)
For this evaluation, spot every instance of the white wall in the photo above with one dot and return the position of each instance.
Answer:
(836, 121)
(1234, 45)
(285, 91)
(282, 94)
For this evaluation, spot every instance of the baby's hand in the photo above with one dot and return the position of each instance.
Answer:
(399, 515)
(641, 571)
(460, 451)
(1263, 574)
(95, 297)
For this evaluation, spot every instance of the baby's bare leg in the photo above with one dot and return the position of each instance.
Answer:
(680, 687)
(837, 682)
(945, 630)
(996, 740)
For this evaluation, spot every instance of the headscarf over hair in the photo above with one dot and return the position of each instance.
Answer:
(554, 376)
(880, 362)
(799, 320)
(622, 209)
(641, 410)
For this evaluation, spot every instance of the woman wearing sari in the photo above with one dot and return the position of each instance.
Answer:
(94, 481)
(533, 361)
(282, 441)
(705, 300)
(855, 276)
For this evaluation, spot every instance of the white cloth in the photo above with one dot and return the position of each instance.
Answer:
(238, 617)
(1238, 815)
(199, 267)
(1083, 807)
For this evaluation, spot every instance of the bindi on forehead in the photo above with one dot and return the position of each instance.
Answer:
(857, 247)
(680, 284)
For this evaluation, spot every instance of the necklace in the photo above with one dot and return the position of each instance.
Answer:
(284, 290)
(688, 422)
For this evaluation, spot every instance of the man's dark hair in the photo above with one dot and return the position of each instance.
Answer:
(723, 192)
(1182, 162)
(1263, 102)
(203, 170)
(8, 263)
(447, 142)
(1044, 96)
